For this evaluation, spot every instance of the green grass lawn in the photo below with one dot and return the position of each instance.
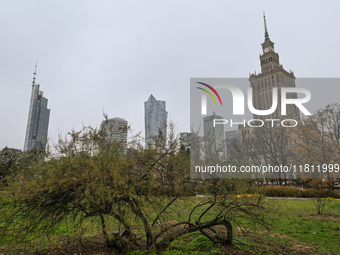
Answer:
(299, 222)
(296, 228)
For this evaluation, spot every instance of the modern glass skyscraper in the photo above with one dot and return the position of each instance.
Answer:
(115, 130)
(155, 118)
(38, 119)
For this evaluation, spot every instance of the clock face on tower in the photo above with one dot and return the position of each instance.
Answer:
(266, 49)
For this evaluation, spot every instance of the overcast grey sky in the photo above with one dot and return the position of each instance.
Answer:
(96, 56)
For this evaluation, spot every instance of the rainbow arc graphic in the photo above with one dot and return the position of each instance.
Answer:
(209, 93)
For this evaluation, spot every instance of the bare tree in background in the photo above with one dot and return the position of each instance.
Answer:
(318, 139)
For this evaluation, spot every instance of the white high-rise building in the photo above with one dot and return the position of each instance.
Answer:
(214, 136)
(155, 118)
(116, 130)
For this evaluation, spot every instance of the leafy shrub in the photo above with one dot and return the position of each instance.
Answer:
(285, 191)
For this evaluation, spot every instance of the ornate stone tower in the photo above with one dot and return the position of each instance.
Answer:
(272, 75)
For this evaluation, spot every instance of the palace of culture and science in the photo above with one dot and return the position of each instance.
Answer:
(272, 75)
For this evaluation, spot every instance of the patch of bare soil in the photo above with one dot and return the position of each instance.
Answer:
(333, 217)
(296, 247)
(74, 246)
(262, 245)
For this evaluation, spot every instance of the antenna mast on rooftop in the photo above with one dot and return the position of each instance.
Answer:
(35, 73)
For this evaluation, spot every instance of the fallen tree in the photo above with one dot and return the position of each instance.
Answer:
(137, 190)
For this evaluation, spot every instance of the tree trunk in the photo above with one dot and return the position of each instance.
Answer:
(107, 240)
(165, 242)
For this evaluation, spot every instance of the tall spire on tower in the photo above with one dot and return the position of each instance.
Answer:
(34, 74)
(266, 35)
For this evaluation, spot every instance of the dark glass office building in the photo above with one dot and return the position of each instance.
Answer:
(38, 119)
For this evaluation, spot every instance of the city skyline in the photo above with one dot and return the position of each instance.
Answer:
(110, 57)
